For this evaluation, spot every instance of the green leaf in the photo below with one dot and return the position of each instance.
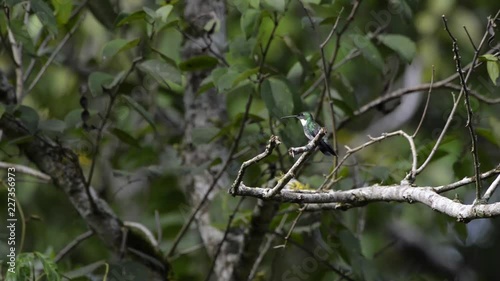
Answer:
(2, 109)
(84, 271)
(163, 12)
(277, 97)
(274, 5)
(150, 12)
(62, 10)
(28, 116)
(198, 63)
(488, 57)
(97, 80)
(205, 87)
(161, 71)
(254, 4)
(250, 21)
(245, 75)
(488, 134)
(368, 50)
(53, 125)
(49, 268)
(343, 106)
(45, 15)
(116, 46)
(223, 78)
(104, 12)
(493, 71)
(126, 18)
(165, 57)
(125, 137)
(402, 45)
(140, 109)
(117, 80)
(203, 135)
(22, 36)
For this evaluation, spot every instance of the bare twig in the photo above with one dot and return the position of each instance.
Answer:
(158, 228)
(470, 39)
(291, 173)
(327, 71)
(266, 248)
(465, 90)
(465, 181)
(426, 105)
(469, 68)
(80, 238)
(112, 98)
(224, 237)
(232, 151)
(273, 142)
(219, 174)
(445, 83)
(17, 55)
(491, 189)
(55, 53)
(340, 271)
(26, 170)
(329, 181)
(349, 19)
(308, 15)
(45, 41)
(292, 227)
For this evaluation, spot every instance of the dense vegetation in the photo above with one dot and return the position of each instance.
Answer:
(127, 123)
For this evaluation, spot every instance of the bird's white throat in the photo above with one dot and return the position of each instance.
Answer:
(303, 122)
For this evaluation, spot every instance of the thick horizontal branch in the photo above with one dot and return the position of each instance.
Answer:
(392, 193)
(62, 166)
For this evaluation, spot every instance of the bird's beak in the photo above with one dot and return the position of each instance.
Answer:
(289, 116)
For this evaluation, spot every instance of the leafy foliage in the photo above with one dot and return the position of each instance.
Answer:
(113, 87)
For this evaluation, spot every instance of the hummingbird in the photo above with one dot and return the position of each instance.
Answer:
(311, 129)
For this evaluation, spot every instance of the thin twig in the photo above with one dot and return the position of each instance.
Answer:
(187, 251)
(17, 55)
(291, 173)
(340, 271)
(272, 143)
(329, 181)
(113, 94)
(470, 67)
(465, 90)
(232, 150)
(465, 181)
(47, 39)
(292, 227)
(55, 53)
(426, 105)
(158, 229)
(265, 249)
(80, 238)
(219, 174)
(26, 170)
(308, 15)
(445, 83)
(327, 71)
(470, 39)
(491, 189)
(224, 237)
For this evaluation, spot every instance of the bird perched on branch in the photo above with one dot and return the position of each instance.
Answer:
(311, 129)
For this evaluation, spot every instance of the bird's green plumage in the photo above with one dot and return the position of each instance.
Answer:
(311, 129)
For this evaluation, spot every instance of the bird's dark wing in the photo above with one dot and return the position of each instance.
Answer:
(326, 148)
